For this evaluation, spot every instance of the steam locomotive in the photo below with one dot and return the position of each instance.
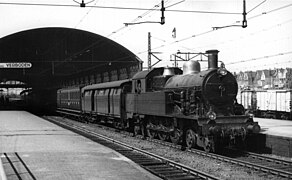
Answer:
(193, 107)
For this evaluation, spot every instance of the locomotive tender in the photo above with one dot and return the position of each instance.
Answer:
(193, 107)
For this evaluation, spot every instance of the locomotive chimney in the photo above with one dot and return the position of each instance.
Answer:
(212, 59)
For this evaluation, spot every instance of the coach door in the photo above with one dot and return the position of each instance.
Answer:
(87, 101)
(111, 102)
(92, 100)
(108, 93)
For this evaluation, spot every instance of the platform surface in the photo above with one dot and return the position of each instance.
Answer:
(51, 152)
(275, 127)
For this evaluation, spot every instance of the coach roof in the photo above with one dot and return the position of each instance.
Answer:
(105, 85)
(155, 72)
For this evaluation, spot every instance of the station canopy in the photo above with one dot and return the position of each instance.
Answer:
(56, 54)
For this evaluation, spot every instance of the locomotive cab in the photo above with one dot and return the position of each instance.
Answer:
(152, 80)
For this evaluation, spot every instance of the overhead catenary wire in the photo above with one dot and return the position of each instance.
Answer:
(255, 67)
(175, 4)
(210, 31)
(82, 19)
(250, 34)
(116, 8)
(96, 43)
(256, 6)
(259, 58)
(206, 32)
(136, 19)
(271, 11)
(277, 9)
(127, 8)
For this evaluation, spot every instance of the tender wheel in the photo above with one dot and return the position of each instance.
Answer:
(208, 147)
(190, 138)
(151, 133)
(143, 131)
(115, 124)
(175, 136)
(213, 146)
(137, 130)
(162, 136)
(80, 118)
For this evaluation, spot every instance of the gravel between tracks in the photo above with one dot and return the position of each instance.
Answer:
(208, 165)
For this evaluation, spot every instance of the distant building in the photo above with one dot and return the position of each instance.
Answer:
(280, 79)
(258, 83)
(245, 80)
(265, 79)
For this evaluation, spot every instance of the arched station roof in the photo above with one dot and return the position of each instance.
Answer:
(60, 53)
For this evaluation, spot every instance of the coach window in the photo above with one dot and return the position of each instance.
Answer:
(101, 92)
(138, 86)
(96, 92)
(107, 91)
(118, 91)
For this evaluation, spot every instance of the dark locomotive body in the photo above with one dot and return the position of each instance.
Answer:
(193, 107)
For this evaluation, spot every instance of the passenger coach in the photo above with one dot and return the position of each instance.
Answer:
(106, 101)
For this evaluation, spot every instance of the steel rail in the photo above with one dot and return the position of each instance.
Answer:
(18, 166)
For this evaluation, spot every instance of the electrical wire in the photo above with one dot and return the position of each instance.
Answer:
(186, 11)
(259, 58)
(175, 4)
(264, 65)
(153, 37)
(82, 19)
(271, 11)
(136, 19)
(250, 34)
(210, 31)
(256, 6)
(116, 8)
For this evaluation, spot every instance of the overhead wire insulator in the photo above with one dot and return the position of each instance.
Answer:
(162, 13)
(162, 19)
(83, 4)
(244, 21)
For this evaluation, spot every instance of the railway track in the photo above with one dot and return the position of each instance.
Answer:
(15, 167)
(250, 160)
(160, 166)
(260, 162)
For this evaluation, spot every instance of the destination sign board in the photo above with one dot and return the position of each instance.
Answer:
(16, 65)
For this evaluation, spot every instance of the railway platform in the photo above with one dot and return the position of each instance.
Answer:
(275, 137)
(33, 148)
(275, 127)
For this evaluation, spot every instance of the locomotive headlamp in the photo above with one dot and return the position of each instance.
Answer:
(249, 114)
(222, 70)
(211, 115)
